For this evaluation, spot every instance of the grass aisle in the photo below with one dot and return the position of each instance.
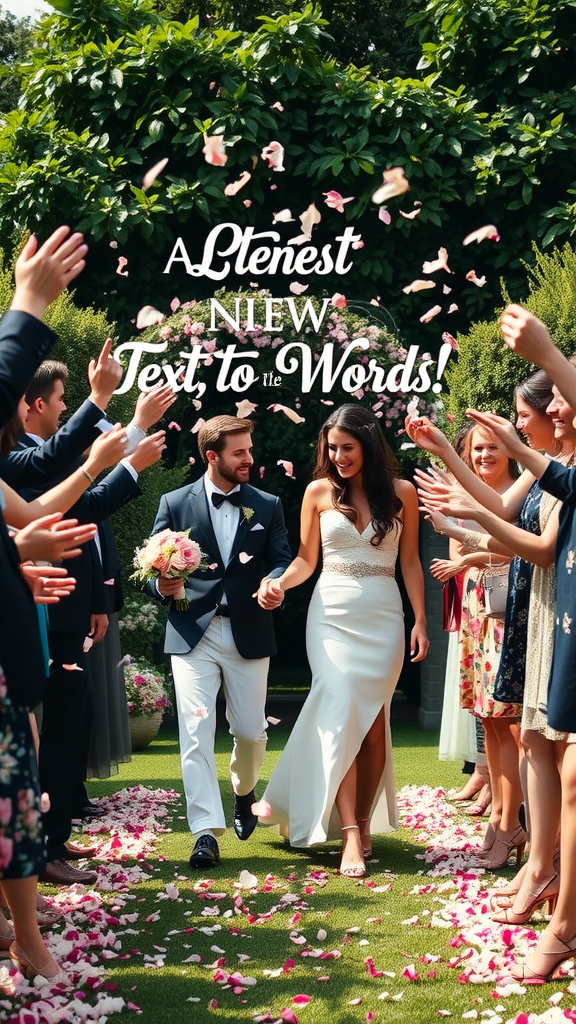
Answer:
(400, 919)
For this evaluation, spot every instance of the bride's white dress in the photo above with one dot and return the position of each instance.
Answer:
(355, 645)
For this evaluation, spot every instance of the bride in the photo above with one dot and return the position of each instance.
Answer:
(336, 772)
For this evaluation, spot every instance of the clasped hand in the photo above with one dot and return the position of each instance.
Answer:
(269, 594)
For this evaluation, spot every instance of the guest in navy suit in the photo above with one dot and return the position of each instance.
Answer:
(224, 638)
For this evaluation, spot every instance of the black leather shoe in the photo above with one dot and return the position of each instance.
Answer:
(242, 818)
(92, 811)
(205, 853)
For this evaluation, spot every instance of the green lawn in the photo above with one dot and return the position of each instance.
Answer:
(341, 904)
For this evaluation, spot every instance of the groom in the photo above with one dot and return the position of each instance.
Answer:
(225, 638)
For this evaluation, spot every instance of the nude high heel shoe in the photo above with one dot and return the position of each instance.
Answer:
(354, 870)
(552, 960)
(365, 839)
(547, 893)
(51, 971)
(502, 848)
(6, 934)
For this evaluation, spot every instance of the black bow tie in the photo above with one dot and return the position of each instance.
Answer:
(218, 499)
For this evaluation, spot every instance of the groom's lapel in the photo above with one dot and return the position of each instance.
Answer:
(205, 535)
(244, 526)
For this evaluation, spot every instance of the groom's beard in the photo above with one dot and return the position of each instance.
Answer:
(239, 475)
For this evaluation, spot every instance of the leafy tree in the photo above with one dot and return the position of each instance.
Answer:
(15, 43)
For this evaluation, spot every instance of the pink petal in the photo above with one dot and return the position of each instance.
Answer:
(274, 156)
(192, 462)
(290, 413)
(413, 213)
(308, 219)
(385, 216)
(412, 407)
(358, 245)
(489, 231)
(446, 290)
(288, 467)
(213, 566)
(148, 316)
(449, 340)
(201, 712)
(410, 972)
(452, 308)
(277, 106)
(245, 408)
(122, 261)
(154, 172)
(339, 300)
(45, 803)
(394, 184)
(430, 314)
(354, 1002)
(247, 203)
(213, 150)
(174, 426)
(261, 808)
(301, 1000)
(335, 201)
(88, 641)
(288, 1016)
(234, 187)
(272, 720)
(430, 267)
(199, 423)
(479, 281)
(261, 471)
(73, 668)
(418, 286)
(282, 217)
(297, 288)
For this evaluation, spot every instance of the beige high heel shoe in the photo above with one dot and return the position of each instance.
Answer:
(547, 893)
(6, 934)
(365, 841)
(51, 971)
(502, 848)
(355, 870)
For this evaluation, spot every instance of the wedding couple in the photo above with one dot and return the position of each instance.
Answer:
(335, 776)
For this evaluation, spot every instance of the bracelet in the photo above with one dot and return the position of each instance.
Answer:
(471, 543)
(87, 474)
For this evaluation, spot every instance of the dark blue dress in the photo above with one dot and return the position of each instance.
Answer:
(509, 682)
(561, 482)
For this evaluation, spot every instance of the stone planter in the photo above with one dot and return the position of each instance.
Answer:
(143, 729)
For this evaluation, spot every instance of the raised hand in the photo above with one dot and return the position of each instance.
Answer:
(152, 405)
(525, 334)
(443, 569)
(106, 450)
(439, 492)
(504, 431)
(52, 539)
(43, 273)
(104, 376)
(148, 451)
(423, 432)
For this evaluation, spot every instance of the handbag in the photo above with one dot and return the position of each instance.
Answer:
(495, 583)
(452, 603)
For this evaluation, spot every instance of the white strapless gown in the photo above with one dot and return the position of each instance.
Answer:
(355, 645)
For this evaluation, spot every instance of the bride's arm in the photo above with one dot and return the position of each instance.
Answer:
(271, 592)
(411, 568)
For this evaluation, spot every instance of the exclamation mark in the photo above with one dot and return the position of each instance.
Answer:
(443, 357)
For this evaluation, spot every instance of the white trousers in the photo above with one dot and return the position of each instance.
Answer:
(198, 675)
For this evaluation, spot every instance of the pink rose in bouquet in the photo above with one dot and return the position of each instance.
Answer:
(172, 554)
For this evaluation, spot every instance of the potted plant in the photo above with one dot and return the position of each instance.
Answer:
(146, 700)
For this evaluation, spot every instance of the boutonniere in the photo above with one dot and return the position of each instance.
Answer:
(247, 513)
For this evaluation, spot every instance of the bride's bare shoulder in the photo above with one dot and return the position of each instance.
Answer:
(319, 493)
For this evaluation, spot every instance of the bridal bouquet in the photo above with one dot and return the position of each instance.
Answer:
(172, 554)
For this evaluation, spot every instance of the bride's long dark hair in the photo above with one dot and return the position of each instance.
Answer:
(379, 469)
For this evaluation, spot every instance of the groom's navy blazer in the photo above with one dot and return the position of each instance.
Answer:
(260, 548)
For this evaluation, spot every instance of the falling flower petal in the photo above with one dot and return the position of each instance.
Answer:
(412, 407)
(213, 150)
(418, 286)
(489, 231)
(359, 244)
(245, 408)
(244, 557)
(427, 317)
(335, 201)
(274, 156)
(261, 472)
(213, 566)
(297, 288)
(290, 413)
(234, 187)
(272, 720)
(174, 426)
(308, 219)
(72, 668)
(413, 213)
(431, 266)
(246, 880)
(122, 261)
(200, 712)
(45, 803)
(339, 300)
(247, 203)
(449, 340)
(282, 217)
(154, 172)
(479, 281)
(88, 641)
(113, 244)
(148, 316)
(277, 106)
(452, 308)
(288, 467)
(261, 809)
(199, 423)
(394, 184)
(385, 215)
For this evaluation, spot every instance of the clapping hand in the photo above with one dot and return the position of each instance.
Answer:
(422, 431)
(52, 538)
(48, 583)
(148, 451)
(269, 594)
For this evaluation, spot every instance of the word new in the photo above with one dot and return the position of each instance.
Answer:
(264, 259)
(237, 371)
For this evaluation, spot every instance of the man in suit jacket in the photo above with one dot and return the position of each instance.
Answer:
(224, 638)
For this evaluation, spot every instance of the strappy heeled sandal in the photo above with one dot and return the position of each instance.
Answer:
(534, 977)
(473, 787)
(6, 934)
(355, 870)
(547, 893)
(366, 846)
(51, 971)
(502, 848)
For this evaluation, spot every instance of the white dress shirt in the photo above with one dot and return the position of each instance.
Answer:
(225, 519)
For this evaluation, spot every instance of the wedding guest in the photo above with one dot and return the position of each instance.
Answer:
(224, 639)
(336, 776)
